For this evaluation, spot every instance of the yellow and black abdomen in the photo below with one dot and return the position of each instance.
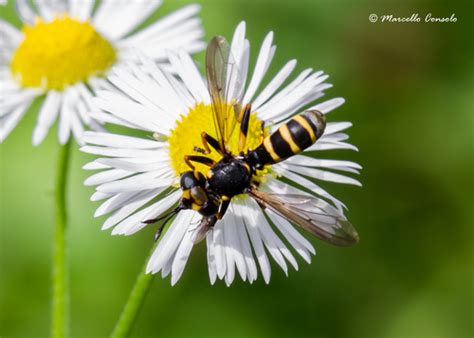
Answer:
(290, 139)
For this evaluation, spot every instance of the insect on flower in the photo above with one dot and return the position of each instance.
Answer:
(229, 157)
(236, 173)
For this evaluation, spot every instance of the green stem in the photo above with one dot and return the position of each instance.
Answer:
(60, 285)
(124, 325)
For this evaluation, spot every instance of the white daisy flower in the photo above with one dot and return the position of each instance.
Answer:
(66, 47)
(140, 176)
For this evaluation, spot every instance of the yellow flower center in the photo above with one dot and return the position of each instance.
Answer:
(187, 135)
(60, 53)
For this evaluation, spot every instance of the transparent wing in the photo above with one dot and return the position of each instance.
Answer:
(206, 224)
(311, 214)
(225, 84)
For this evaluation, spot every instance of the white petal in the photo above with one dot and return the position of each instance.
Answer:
(308, 91)
(249, 215)
(336, 137)
(182, 35)
(139, 86)
(86, 97)
(125, 214)
(280, 187)
(169, 100)
(211, 259)
(263, 62)
(7, 84)
(8, 122)
(119, 200)
(94, 165)
(76, 125)
(282, 93)
(276, 82)
(120, 141)
(235, 76)
(327, 106)
(321, 163)
(233, 243)
(219, 253)
(81, 9)
(98, 196)
(82, 110)
(122, 107)
(244, 61)
(322, 174)
(183, 252)
(274, 245)
(106, 176)
(115, 19)
(334, 127)
(229, 252)
(46, 116)
(144, 181)
(11, 33)
(100, 83)
(191, 42)
(122, 152)
(325, 145)
(104, 118)
(301, 244)
(168, 22)
(134, 223)
(48, 9)
(24, 11)
(127, 164)
(11, 101)
(166, 270)
(315, 189)
(190, 74)
(169, 242)
(245, 246)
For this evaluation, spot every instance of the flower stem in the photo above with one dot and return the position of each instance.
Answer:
(124, 325)
(60, 283)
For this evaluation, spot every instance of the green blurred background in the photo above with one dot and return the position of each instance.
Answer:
(409, 90)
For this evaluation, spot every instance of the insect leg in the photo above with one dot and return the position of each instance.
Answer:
(199, 159)
(167, 217)
(262, 136)
(223, 208)
(162, 226)
(208, 140)
(244, 119)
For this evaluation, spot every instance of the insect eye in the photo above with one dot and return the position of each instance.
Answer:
(187, 180)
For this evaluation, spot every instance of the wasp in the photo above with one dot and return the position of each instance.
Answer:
(234, 174)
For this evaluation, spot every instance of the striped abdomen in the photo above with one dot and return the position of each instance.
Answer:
(290, 139)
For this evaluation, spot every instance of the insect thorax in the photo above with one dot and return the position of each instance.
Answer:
(230, 177)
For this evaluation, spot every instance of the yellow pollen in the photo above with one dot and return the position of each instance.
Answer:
(59, 53)
(187, 135)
